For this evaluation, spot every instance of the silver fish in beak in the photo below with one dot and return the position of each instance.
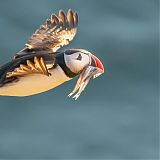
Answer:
(87, 74)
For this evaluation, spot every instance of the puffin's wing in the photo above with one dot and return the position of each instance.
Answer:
(37, 66)
(26, 65)
(55, 33)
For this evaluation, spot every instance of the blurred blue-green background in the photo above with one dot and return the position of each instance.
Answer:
(117, 115)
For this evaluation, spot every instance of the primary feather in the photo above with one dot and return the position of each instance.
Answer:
(55, 33)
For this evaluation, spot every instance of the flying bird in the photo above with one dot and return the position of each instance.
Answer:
(40, 67)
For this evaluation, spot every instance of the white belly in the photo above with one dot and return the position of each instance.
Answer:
(34, 83)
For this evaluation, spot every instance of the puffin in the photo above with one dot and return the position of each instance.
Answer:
(40, 66)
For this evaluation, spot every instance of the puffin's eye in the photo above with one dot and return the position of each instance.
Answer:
(79, 57)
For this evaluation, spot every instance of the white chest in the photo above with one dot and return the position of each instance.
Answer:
(34, 83)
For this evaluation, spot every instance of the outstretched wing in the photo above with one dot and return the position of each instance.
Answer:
(38, 66)
(39, 63)
(55, 33)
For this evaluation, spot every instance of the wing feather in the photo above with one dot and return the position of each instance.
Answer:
(55, 33)
(38, 66)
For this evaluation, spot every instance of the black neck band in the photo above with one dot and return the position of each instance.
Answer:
(61, 62)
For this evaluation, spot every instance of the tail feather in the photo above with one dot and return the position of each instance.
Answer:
(3, 71)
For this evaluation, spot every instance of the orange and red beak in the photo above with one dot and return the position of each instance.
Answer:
(98, 63)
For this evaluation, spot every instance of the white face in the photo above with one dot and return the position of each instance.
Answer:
(77, 61)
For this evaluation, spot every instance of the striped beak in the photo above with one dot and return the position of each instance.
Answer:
(99, 66)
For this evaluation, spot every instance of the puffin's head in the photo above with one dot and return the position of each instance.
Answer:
(80, 61)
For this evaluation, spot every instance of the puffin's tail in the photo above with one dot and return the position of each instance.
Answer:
(3, 70)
